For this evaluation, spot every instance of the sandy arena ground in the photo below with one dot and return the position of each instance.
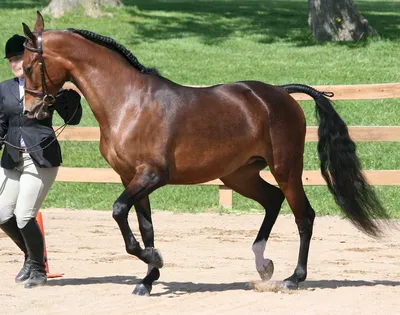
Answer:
(208, 267)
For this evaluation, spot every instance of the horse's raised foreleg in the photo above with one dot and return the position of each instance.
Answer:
(143, 212)
(247, 182)
(146, 180)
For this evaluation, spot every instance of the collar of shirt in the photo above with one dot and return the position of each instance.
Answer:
(21, 83)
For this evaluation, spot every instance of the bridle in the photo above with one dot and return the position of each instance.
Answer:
(47, 98)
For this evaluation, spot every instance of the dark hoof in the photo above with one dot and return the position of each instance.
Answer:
(267, 270)
(290, 285)
(142, 290)
(154, 257)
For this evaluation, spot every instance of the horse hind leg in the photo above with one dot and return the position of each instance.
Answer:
(293, 190)
(248, 182)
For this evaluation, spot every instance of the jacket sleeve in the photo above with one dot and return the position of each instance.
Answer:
(3, 118)
(68, 106)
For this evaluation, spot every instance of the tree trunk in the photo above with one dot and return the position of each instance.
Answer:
(337, 20)
(58, 8)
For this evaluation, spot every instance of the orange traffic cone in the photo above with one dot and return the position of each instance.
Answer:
(39, 220)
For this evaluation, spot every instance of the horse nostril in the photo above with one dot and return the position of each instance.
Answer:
(26, 112)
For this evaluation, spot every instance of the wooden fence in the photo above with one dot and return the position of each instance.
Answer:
(342, 92)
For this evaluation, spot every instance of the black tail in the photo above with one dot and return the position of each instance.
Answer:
(340, 165)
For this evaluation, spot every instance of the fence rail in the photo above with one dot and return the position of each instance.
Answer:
(358, 133)
(312, 177)
(342, 92)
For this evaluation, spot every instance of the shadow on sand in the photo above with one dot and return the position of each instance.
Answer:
(180, 288)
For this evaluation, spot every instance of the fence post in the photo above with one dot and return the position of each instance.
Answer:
(225, 197)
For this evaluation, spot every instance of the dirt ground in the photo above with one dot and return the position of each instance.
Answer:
(209, 267)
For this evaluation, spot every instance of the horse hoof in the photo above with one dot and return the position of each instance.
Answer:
(155, 258)
(289, 285)
(142, 290)
(267, 270)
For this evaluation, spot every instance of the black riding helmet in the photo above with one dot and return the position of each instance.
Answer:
(14, 46)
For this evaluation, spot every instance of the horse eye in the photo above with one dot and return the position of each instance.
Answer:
(27, 70)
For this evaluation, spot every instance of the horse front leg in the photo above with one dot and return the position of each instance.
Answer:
(146, 180)
(143, 212)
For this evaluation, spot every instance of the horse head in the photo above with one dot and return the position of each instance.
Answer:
(44, 72)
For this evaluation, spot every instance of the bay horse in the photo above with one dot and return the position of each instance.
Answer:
(156, 132)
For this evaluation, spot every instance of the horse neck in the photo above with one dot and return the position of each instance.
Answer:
(107, 82)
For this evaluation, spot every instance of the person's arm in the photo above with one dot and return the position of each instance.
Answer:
(68, 106)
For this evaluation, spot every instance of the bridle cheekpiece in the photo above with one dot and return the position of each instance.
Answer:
(47, 99)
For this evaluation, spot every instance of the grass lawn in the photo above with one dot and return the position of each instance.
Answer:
(209, 42)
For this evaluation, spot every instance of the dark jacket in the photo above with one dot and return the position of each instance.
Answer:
(13, 124)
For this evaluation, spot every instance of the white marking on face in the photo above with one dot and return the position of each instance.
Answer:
(258, 250)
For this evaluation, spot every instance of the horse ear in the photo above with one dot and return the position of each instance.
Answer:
(39, 22)
(28, 33)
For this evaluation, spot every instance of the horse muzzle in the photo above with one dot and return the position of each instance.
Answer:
(39, 112)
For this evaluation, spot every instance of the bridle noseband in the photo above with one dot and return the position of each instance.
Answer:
(47, 99)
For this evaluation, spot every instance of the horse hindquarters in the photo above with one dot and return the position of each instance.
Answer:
(283, 147)
(287, 130)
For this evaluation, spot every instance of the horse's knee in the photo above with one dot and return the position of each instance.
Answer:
(120, 211)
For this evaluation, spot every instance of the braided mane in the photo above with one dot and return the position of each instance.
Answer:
(113, 45)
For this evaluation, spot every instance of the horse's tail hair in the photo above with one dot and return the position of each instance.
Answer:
(341, 167)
